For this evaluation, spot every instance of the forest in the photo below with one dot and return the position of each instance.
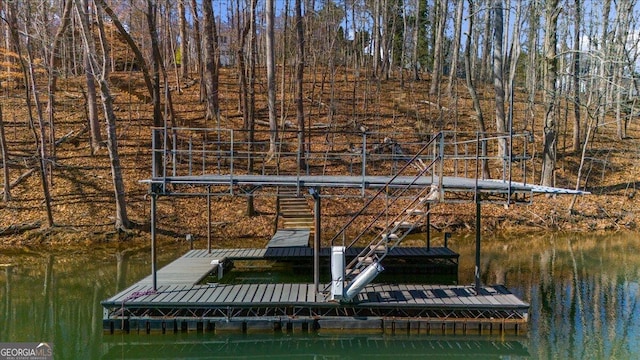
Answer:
(82, 82)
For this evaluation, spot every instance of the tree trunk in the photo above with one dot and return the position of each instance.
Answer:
(210, 63)
(576, 75)
(438, 55)
(603, 78)
(6, 196)
(42, 143)
(299, 82)
(252, 99)
(498, 79)
(624, 9)
(92, 106)
(283, 74)
(485, 63)
(271, 79)
(376, 37)
(196, 34)
(416, 37)
(551, 74)
(29, 86)
(155, 62)
(453, 72)
(184, 41)
(472, 91)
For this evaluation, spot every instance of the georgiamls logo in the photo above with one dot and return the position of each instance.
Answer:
(26, 351)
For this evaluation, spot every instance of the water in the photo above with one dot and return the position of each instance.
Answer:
(583, 291)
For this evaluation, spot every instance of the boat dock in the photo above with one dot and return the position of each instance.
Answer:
(183, 302)
(399, 183)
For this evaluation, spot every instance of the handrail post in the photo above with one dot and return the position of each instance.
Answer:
(190, 154)
(164, 159)
(174, 154)
(364, 160)
(209, 219)
(154, 271)
(204, 155)
(441, 165)
(153, 153)
(231, 147)
(475, 191)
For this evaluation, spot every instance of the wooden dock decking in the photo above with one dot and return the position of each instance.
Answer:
(180, 302)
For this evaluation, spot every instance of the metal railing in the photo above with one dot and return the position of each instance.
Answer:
(193, 152)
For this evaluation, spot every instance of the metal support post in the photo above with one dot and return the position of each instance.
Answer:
(209, 219)
(364, 161)
(478, 224)
(428, 226)
(316, 238)
(153, 241)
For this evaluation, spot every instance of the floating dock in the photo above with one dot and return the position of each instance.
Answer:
(406, 180)
(183, 301)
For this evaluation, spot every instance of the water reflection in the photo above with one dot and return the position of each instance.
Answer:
(583, 292)
(263, 346)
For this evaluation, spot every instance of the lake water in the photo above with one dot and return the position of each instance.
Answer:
(583, 291)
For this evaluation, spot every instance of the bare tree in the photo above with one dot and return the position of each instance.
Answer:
(416, 37)
(624, 10)
(605, 49)
(299, 82)
(210, 62)
(91, 99)
(438, 56)
(184, 40)
(271, 78)
(100, 71)
(196, 35)
(155, 61)
(252, 97)
(456, 46)
(376, 36)
(482, 128)
(552, 12)
(6, 195)
(41, 143)
(485, 62)
(498, 74)
(576, 75)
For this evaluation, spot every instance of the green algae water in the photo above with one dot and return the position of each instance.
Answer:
(583, 290)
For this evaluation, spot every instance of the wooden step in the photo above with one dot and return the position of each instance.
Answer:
(365, 260)
(298, 223)
(404, 225)
(296, 214)
(378, 248)
(296, 207)
(390, 237)
(415, 212)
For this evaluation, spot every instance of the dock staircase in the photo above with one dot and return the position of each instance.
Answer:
(409, 206)
(294, 210)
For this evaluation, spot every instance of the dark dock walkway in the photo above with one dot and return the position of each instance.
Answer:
(181, 303)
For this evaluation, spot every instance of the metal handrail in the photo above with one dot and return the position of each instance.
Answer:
(205, 151)
(383, 188)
